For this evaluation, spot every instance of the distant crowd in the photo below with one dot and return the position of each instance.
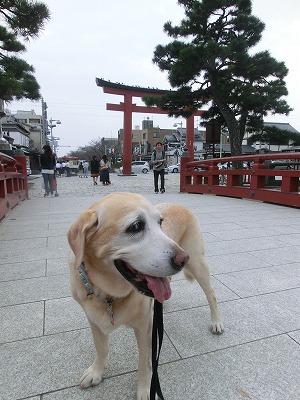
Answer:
(98, 169)
(63, 169)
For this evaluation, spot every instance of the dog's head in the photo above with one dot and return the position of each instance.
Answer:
(121, 240)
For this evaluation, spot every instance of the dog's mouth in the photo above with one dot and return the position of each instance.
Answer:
(151, 286)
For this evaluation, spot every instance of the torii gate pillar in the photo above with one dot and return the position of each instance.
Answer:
(127, 134)
(190, 136)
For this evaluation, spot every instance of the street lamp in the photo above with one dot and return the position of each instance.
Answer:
(52, 124)
(176, 125)
(55, 143)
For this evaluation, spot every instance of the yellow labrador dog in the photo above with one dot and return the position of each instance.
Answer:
(124, 250)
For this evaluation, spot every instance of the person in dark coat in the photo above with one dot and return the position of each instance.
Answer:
(80, 170)
(94, 169)
(48, 163)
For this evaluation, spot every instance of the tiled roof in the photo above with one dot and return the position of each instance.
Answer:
(281, 125)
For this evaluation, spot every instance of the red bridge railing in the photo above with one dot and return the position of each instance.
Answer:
(13, 182)
(258, 182)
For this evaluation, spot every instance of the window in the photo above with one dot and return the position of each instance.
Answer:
(156, 134)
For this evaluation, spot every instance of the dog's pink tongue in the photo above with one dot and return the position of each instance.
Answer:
(160, 287)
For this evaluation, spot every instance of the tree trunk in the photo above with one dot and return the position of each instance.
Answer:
(234, 131)
(235, 141)
(229, 117)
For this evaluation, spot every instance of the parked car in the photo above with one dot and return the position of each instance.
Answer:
(227, 165)
(282, 164)
(174, 168)
(223, 166)
(28, 171)
(137, 167)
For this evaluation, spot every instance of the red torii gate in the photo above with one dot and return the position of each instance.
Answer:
(128, 108)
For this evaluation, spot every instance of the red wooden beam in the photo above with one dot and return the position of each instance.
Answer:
(142, 109)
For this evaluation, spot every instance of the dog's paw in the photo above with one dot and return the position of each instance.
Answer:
(91, 377)
(217, 327)
(143, 393)
(143, 396)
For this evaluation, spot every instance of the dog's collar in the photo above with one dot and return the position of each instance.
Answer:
(107, 300)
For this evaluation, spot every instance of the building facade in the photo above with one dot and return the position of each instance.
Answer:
(33, 122)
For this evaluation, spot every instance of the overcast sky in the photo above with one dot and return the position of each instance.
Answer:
(115, 41)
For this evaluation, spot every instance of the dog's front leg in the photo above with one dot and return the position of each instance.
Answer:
(93, 375)
(143, 337)
(202, 275)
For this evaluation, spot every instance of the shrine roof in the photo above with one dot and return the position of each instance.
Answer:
(120, 86)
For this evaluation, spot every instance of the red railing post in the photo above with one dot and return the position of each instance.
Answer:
(183, 166)
(257, 180)
(23, 170)
(213, 179)
(289, 184)
(233, 179)
(13, 182)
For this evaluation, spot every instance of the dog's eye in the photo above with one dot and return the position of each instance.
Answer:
(161, 221)
(136, 227)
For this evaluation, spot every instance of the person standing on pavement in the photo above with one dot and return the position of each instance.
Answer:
(68, 171)
(80, 169)
(57, 167)
(48, 163)
(95, 169)
(62, 169)
(158, 161)
(85, 169)
(104, 170)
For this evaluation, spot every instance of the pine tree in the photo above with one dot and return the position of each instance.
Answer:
(209, 63)
(22, 19)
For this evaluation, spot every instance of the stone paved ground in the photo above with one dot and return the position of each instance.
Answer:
(254, 253)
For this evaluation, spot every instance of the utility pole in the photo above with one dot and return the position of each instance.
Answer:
(44, 122)
(53, 140)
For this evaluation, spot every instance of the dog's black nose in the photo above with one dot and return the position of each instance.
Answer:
(180, 260)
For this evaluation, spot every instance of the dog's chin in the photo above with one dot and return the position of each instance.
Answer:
(158, 288)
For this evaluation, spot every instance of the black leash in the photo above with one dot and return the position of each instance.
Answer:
(157, 332)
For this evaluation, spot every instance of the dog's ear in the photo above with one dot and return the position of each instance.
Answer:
(85, 225)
